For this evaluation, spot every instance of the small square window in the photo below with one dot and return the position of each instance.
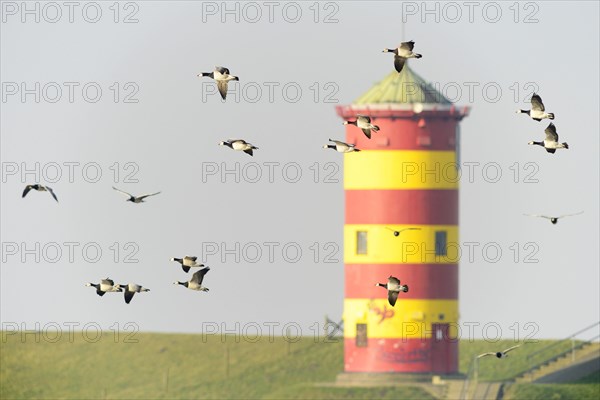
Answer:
(440, 243)
(361, 335)
(361, 242)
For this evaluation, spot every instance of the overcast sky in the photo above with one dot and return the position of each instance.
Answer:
(165, 125)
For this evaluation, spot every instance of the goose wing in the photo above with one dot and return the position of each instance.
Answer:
(407, 45)
(128, 296)
(199, 275)
(52, 193)
(536, 103)
(367, 133)
(27, 189)
(551, 134)
(125, 193)
(222, 70)
(538, 215)
(339, 143)
(570, 215)
(399, 63)
(147, 195)
(191, 258)
(511, 348)
(363, 118)
(392, 297)
(409, 229)
(392, 280)
(108, 281)
(486, 354)
(222, 86)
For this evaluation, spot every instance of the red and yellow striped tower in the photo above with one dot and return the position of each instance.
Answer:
(405, 176)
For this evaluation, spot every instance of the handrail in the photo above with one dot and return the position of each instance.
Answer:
(531, 355)
(580, 345)
(571, 350)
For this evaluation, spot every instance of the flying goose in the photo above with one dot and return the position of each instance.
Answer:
(131, 289)
(340, 147)
(136, 199)
(393, 287)
(222, 77)
(554, 220)
(551, 142)
(105, 285)
(240, 145)
(196, 282)
(402, 53)
(538, 111)
(39, 188)
(499, 354)
(188, 262)
(397, 233)
(364, 123)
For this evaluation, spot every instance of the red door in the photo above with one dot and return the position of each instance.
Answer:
(440, 349)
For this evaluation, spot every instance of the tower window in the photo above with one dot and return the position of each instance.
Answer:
(361, 335)
(440, 243)
(361, 242)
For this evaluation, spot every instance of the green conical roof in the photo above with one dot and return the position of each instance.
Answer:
(406, 87)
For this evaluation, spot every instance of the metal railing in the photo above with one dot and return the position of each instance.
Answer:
(571, 338)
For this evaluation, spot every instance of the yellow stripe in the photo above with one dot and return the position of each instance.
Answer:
(400, 169)
(410, 247)
(410, 319)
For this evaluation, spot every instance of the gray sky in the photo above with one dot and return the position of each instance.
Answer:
(171, 134)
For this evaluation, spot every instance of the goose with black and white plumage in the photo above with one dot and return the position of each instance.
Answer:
(196, 282)
(131, 289)
(551, 142)
(222, 76)
(188, 262)
(402, 53)
(341, 147)
(538, 111)
(554, 220)
(393, 287)
(39, 188)
(105, 285)
(239, 145)
(397, 233)
(135, 199)
(499, 354)
(363, 122)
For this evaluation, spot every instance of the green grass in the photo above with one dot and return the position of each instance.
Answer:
(196, 368)
(578, 391)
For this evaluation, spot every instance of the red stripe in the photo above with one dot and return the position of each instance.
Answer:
(405, 134)
(421, 207)
(425, 281)
(398, 355)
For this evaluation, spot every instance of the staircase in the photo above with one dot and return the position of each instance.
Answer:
(581, 351)
(587, 351)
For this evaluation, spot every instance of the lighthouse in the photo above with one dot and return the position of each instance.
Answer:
(406, 176)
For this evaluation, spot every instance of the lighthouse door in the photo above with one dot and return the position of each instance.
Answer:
(440, 349)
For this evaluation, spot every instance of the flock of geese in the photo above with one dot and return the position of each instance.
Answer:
(222, 77)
